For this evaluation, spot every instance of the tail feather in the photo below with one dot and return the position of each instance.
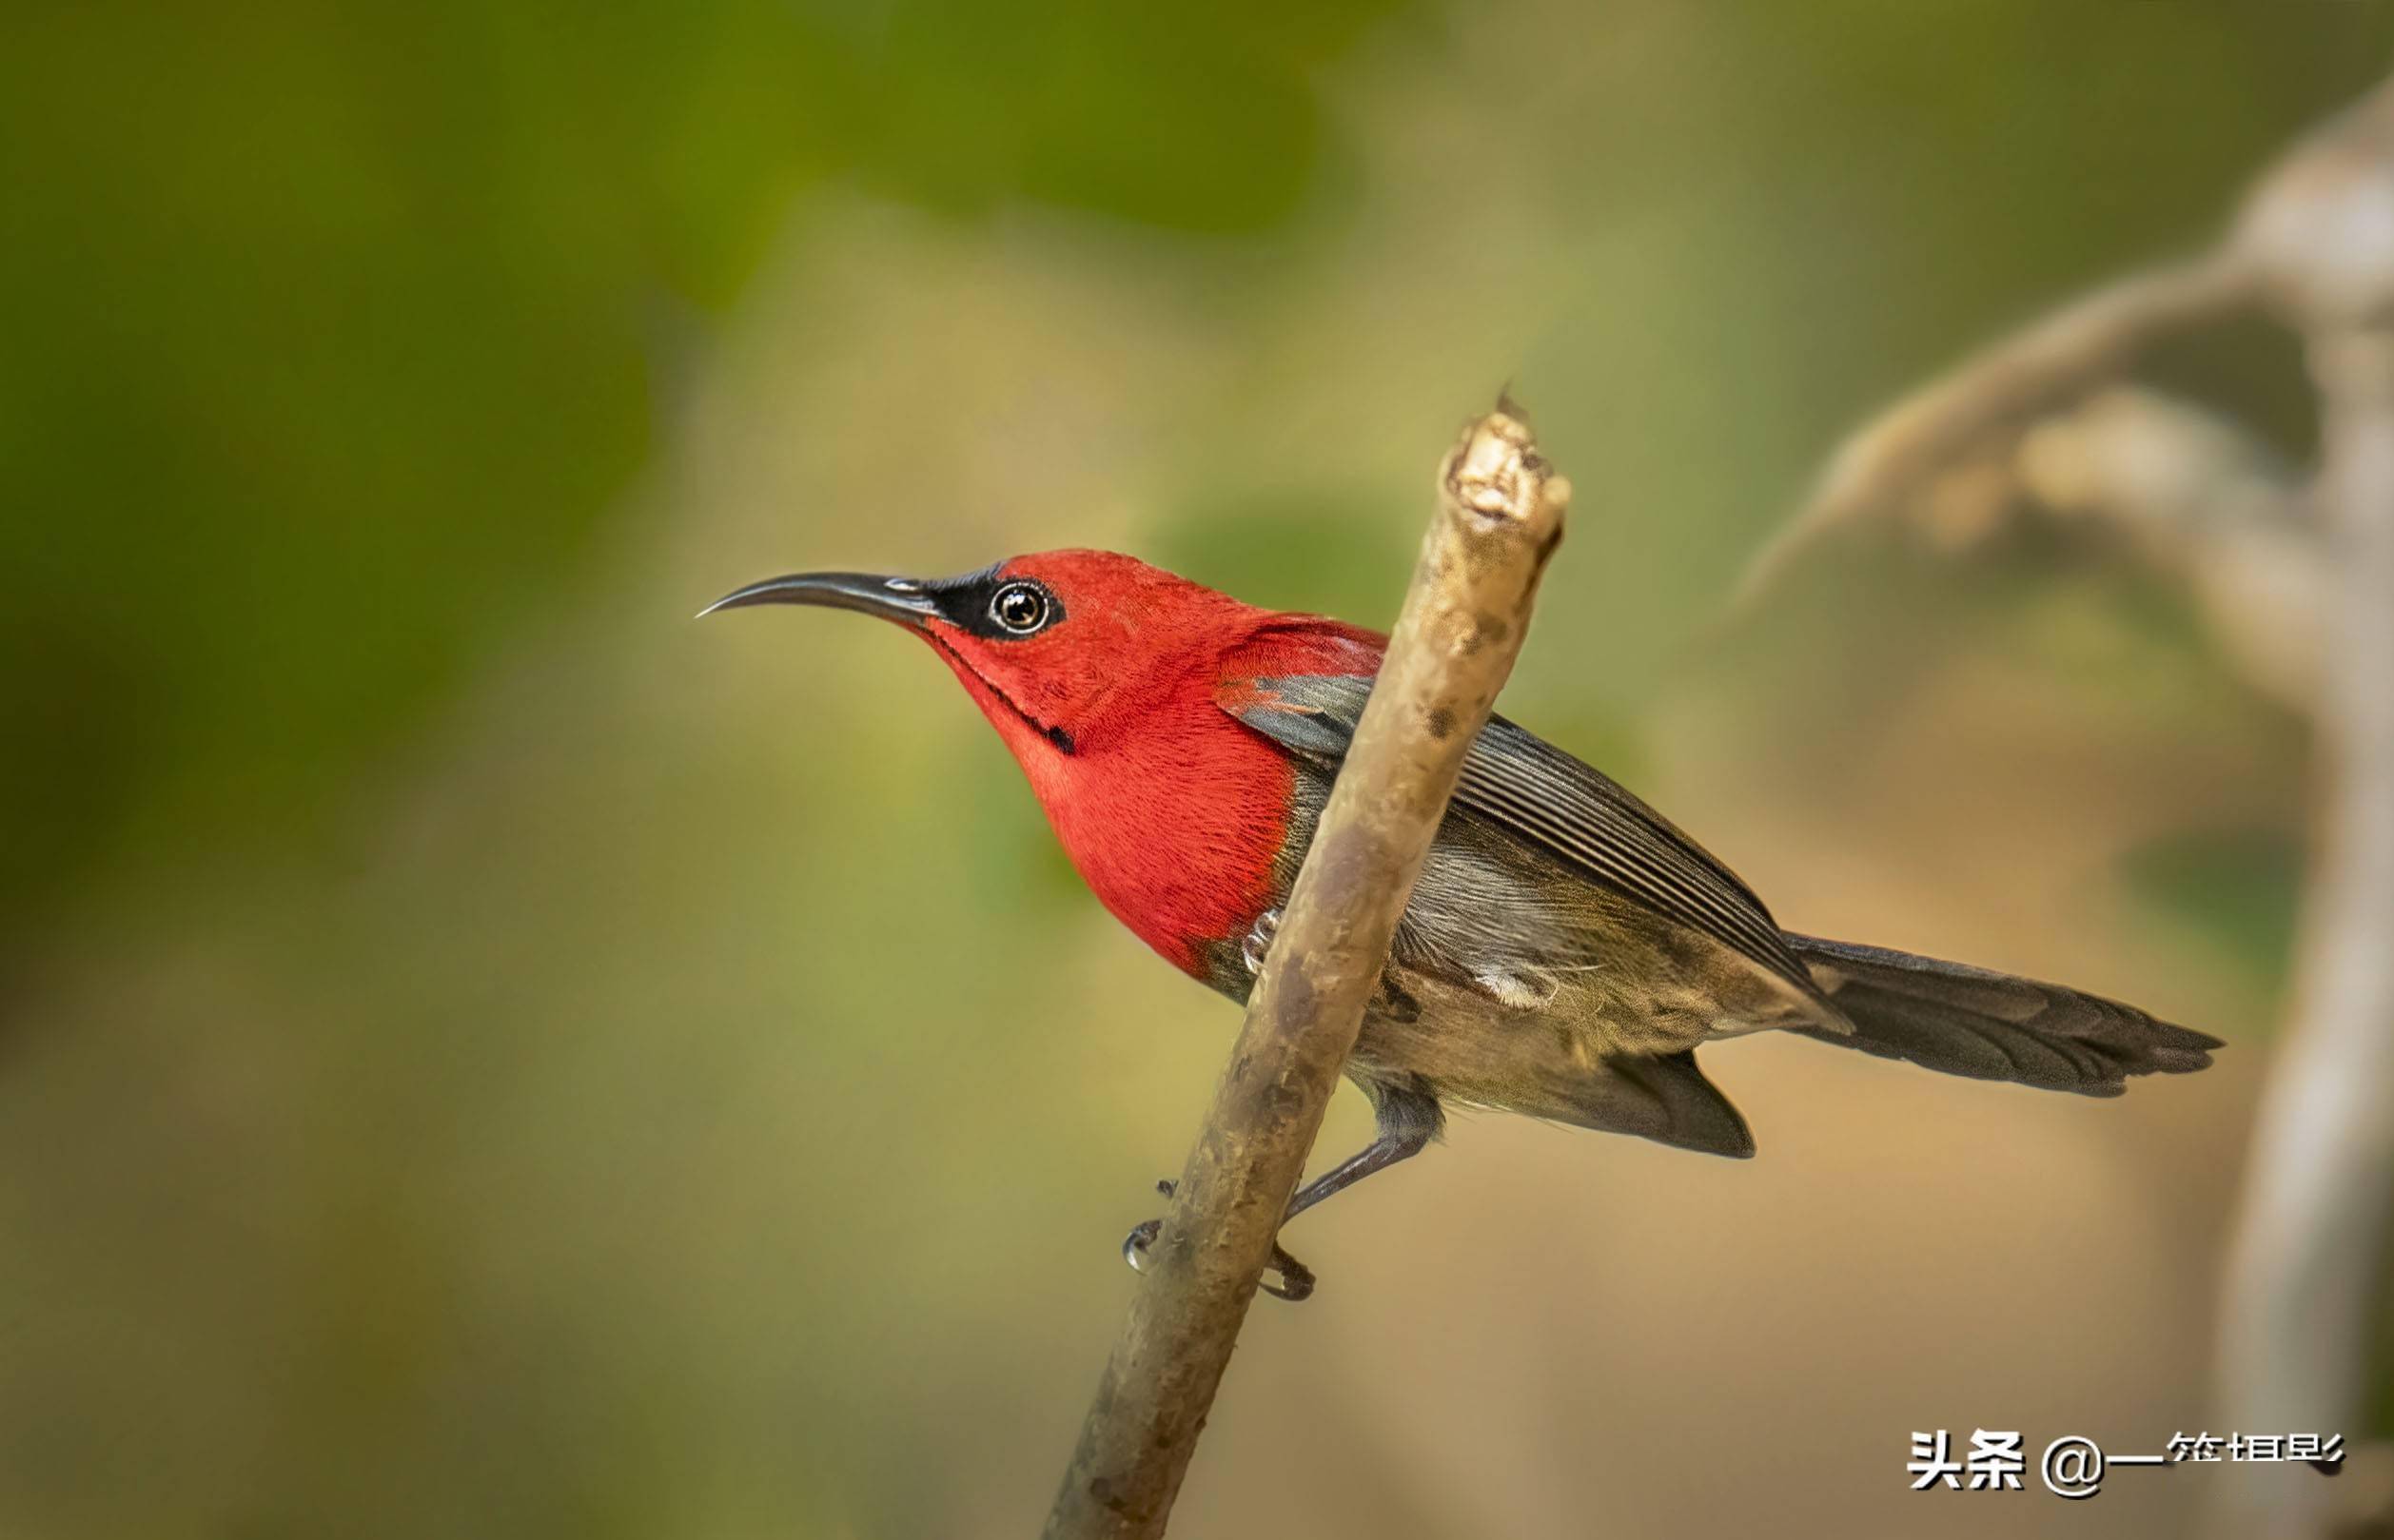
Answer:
(1967, 1020)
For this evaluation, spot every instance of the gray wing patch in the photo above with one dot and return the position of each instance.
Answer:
(1518, 780)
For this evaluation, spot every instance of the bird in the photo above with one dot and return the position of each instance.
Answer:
(1567, 950)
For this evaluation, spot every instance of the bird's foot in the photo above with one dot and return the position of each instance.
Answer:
(1296, 1278)
(1135, 1245)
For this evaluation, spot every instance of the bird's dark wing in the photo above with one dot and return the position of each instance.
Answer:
(1664, 1098)
(1518, 780)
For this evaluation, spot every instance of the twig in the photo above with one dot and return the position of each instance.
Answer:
(1983, 404)
(1500, 516)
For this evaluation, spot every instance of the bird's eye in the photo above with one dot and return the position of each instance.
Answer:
(1021, 608)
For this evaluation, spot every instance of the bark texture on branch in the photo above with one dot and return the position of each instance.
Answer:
(1500, 516)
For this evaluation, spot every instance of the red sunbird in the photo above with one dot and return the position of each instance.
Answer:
(1566, 949)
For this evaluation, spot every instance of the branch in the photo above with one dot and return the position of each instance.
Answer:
(1499, 518)
(2198, 498)
(1985, 403)
(2311, 1246)
(2314, 242)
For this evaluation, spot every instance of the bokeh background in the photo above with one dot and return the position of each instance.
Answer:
(483, 1054)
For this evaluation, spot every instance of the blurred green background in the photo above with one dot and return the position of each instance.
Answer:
(480, 1053)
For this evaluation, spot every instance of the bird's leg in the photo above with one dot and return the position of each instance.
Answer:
(1408, 1121)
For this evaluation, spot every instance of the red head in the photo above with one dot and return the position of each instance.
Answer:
(1064, 651)
(1105, 676)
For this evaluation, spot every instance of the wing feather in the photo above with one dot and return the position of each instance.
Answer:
(1518, 780)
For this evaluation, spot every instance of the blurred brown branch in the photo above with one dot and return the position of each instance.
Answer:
(2319, 1195)
(2302, 597)
(2041, 421)
(1984, 406)
(1498, 519)
(2200, 499)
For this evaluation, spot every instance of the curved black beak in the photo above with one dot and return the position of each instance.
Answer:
(901, 599)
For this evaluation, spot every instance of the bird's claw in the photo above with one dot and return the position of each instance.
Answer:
(1258, 940)
(1296, 1278)
(1140, 1239)
(1136, 1242)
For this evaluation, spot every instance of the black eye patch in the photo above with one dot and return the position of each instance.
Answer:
(999, 608)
